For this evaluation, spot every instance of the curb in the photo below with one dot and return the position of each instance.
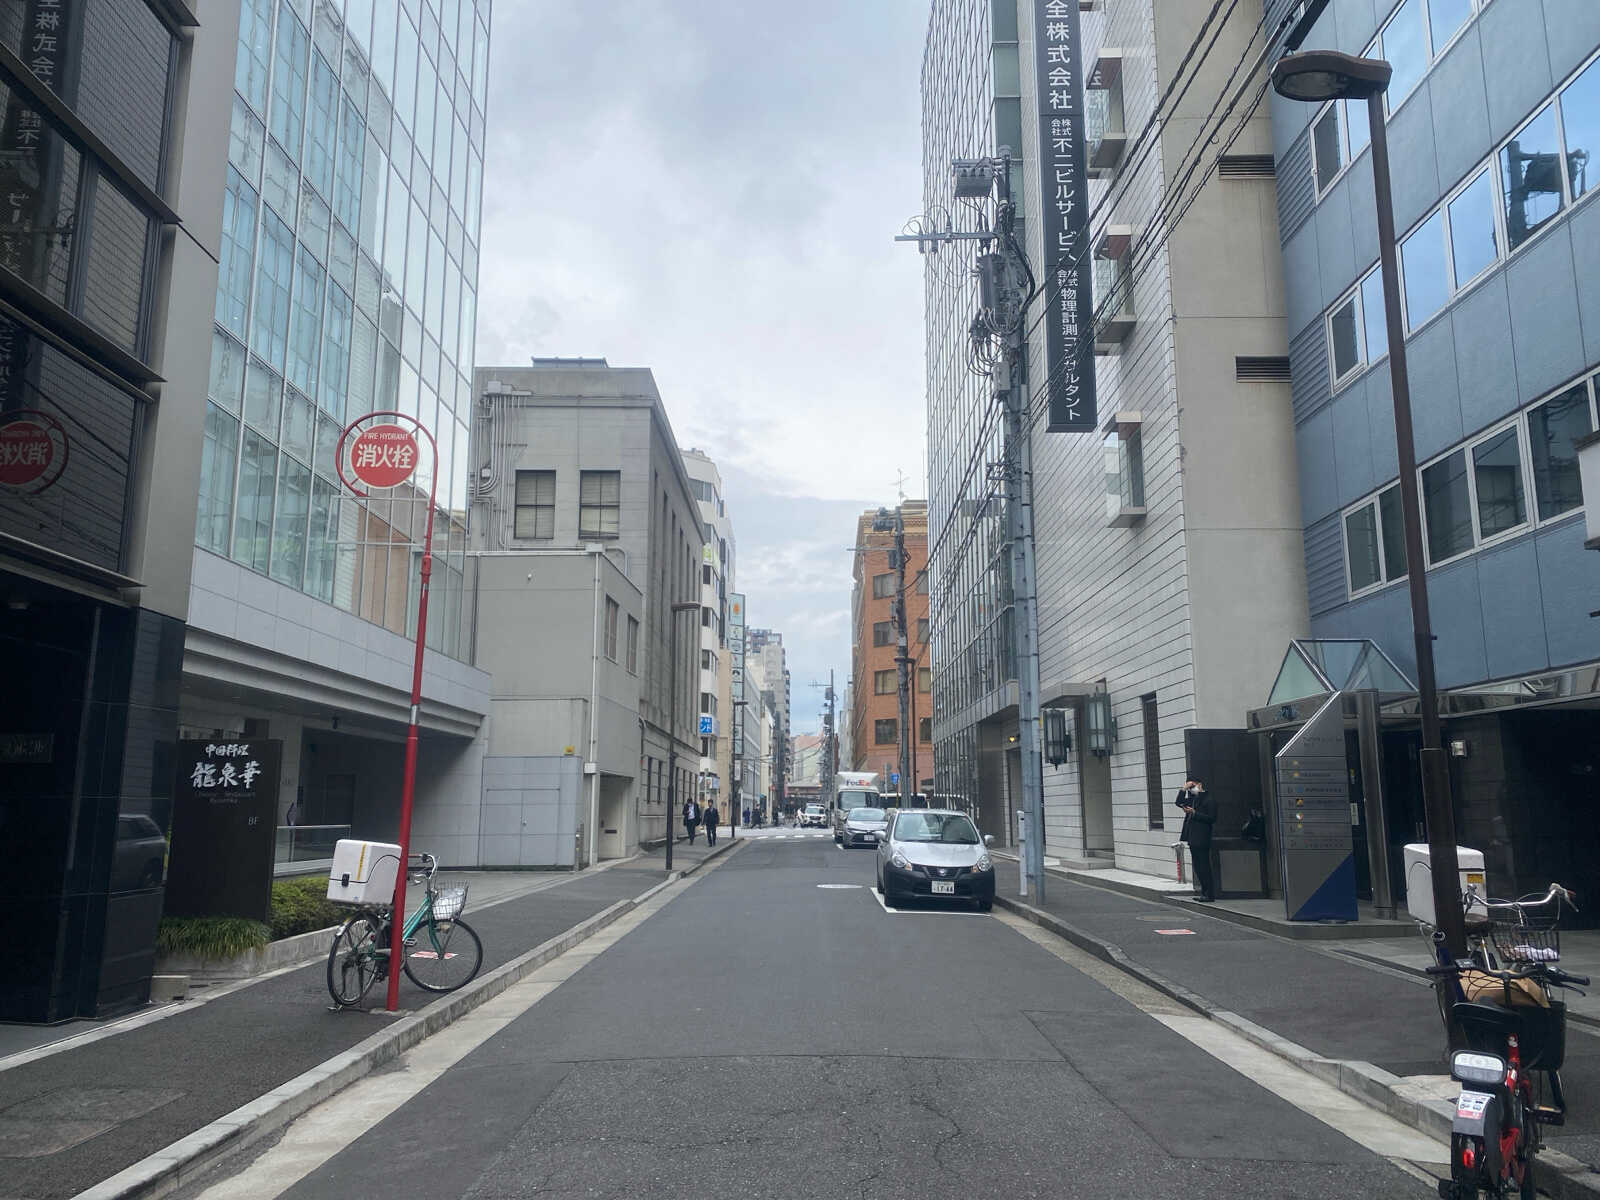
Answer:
(1561, 1175)
(175, 1165)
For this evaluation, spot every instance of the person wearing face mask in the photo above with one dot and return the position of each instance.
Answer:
(1199, 817)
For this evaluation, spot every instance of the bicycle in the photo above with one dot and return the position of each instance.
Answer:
(1507, 1040)
(442, 952)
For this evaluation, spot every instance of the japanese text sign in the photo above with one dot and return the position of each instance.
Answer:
(383, 456)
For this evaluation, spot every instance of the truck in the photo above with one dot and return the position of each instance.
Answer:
(851, 789)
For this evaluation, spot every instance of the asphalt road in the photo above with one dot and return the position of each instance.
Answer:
(763, 1035)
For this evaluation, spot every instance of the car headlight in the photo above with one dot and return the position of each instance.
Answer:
(900, 861)
(983, 863)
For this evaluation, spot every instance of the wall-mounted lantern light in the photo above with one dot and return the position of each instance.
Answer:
(1057, 741)
(1102, 724)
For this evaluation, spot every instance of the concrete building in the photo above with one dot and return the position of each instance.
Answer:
(348, 267)
(1493, 122)
(806, 759)
(586, 531)
(1164, 585)
(716, 712)
(872, 714)
(113, 185)
(767, 644)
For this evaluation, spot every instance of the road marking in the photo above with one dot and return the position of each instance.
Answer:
(311, 1140)
(1176, 932)
(839, 886)
(1375, 1131)
(922, 912)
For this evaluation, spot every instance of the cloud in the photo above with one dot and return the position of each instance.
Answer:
(710, 188)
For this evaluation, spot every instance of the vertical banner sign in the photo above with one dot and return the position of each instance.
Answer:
(224, 827)
(1064, 185)
(31, 223)
(1318, 856)
(736, 655)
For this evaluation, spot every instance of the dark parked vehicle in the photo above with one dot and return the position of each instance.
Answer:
(140, 859)
(935, 854)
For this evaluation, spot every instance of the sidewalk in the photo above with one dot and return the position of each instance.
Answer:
(81, 1114)
(1332, 1008)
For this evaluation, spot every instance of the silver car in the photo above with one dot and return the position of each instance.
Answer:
(936, 854)
(862, 827)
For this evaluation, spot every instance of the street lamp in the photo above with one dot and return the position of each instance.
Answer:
(682, 606)
(1316, 76)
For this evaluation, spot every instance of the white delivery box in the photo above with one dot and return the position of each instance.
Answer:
(363, 872)
(1419, 881)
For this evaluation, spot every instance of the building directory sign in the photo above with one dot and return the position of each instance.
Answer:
(1064, 186)
(736, 652)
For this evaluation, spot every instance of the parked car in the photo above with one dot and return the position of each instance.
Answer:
(140, 858)
(813, 814)
(848, 798)
(861, 827)
(935, 854)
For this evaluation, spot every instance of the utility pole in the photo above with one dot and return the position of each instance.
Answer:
(829, 743)
(883, 523)
(1000, 273)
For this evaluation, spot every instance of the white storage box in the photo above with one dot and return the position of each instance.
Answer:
(1419, 881)
(363, 872)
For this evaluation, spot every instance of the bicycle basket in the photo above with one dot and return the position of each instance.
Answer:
(449, 901)
(1526, 938)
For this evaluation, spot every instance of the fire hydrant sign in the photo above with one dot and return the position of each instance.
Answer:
(224, 828)
(383, 456)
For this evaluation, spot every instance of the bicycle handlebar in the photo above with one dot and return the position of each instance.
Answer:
(427, 865)
(1555, 893)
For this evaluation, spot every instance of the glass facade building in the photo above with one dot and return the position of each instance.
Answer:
(347, 285)
(971, 106)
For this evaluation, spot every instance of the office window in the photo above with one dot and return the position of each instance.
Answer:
(1497, 480)
(289, 79)
(269, 326)
(1580, 122)
(1445, 19)
(599, 504)
(289, 522)
(1474, 245)
(1374, 541)
(1530, 177)
(925, 680)
(305, 323)
(633, 646)
(1155, 802)
(922, 582)
(1447, 507)
(883, 633)
(535, 515)
(613, 609)
(1403, 44)
(884, 683)
(922, 630)
(924, 729)
(1337, 136)
(1552, 426)
(236, 264)
(705, 574)
(218, 456)
(706, 663)
(883, 585)
(1422, 271)
(1357, 333)
(885, 732)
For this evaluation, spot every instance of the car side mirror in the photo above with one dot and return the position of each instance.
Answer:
(988, 839)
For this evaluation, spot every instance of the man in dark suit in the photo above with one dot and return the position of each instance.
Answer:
(709, 817)
(1199, 818)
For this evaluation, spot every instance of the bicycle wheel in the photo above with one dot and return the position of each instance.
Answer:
(353, 961)
(443, 956)
(1525, 1156)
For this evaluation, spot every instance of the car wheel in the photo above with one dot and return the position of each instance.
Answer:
(877, 884)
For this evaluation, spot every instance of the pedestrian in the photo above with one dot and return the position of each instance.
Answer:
(709, 819)
(747, 817)
(1199, 818)
(691, 819)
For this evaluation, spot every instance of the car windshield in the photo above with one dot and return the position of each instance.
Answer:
(866, 814)
(813, 808)
(935, 827)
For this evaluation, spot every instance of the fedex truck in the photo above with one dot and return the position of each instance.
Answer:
(852, 789)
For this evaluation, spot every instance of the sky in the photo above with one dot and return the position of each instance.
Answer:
(710, 188)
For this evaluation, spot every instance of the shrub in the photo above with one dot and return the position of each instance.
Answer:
(210, 938)
(301, 905)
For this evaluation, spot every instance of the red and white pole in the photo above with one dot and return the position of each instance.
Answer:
(378, 458)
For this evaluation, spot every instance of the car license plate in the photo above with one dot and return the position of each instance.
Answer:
(946, 888)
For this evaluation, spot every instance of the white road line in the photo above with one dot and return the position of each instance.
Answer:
(1366, 1126)
(313, 1139)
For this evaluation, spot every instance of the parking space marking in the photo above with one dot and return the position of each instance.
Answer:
(919, 912)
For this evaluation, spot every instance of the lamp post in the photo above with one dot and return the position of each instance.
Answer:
(1317, 76)
(682, 606)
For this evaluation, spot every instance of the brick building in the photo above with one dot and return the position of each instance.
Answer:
(875, 704)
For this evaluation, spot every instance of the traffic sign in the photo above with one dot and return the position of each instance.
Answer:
(384, 456)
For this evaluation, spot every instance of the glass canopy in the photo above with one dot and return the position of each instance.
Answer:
(1317, 666)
